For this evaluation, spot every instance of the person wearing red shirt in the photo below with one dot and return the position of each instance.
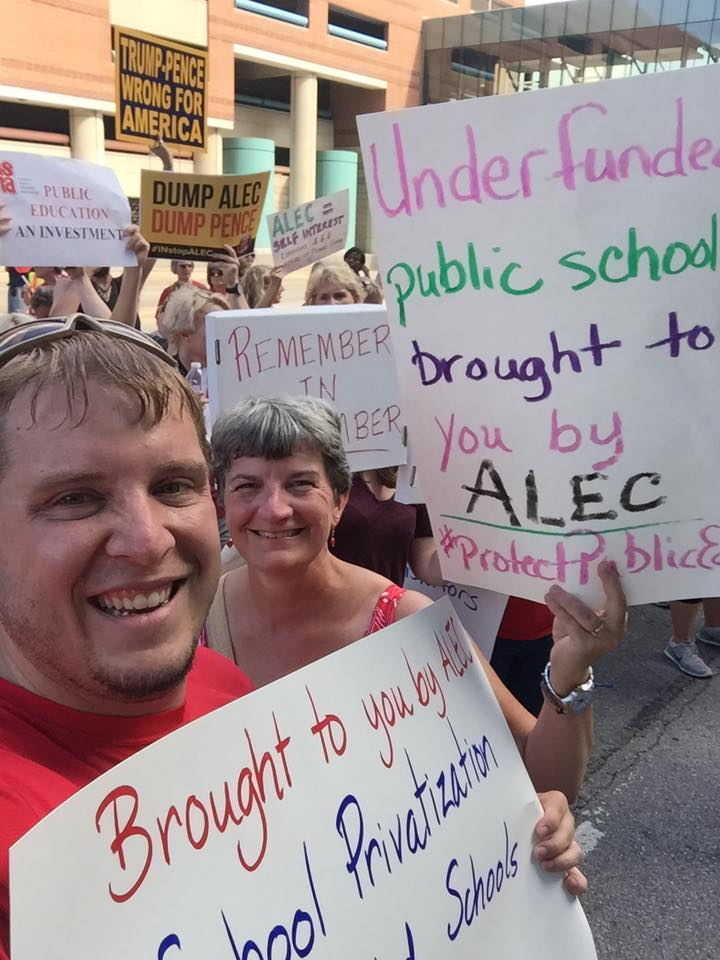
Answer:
(522, 648)
(110, 559)
(183, 271)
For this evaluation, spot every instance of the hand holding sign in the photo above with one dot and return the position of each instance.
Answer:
(557, 850)
(136, 243)
(229, 263)
(159, 150)
(5, 220)
(581, 636)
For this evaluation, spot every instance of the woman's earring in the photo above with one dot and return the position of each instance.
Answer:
(332, 538)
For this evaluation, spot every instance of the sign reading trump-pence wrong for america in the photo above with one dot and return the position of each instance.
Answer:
(160, 90)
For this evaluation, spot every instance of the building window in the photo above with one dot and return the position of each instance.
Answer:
(289, 11)
(354, 26)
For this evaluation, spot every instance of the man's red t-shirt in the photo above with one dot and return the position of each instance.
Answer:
(48, 752)
(525, 620)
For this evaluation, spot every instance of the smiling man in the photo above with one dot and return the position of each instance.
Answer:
(110, 559)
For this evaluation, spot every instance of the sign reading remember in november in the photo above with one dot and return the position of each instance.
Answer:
(550, 265)
(193, 216)
(64, 212)
(371, 805)
(160, 90)
(309, 232)
(341, 354)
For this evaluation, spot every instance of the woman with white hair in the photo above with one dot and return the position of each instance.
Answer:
(332, 286)
(184, 324)
(262, 286)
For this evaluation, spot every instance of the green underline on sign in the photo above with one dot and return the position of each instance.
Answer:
(568, 533)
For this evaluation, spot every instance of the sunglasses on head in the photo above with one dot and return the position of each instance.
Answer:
(29, 335)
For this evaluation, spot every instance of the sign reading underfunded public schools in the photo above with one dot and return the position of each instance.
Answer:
(160, 90)
(371, 805)
(551, 270)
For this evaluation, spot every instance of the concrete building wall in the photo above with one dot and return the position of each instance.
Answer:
(275, 125)
(58, 53)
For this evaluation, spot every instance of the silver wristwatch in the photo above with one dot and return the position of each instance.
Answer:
(576, 701)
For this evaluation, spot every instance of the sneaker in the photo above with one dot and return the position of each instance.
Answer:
(686, 658)
(709, 635)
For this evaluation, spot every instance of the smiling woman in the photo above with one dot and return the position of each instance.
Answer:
(284, 479)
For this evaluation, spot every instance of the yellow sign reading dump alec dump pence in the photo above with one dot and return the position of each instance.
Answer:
(194, 216)
(160, 90)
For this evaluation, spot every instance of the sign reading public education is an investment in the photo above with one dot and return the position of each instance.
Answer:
(193, 216)
(340, 354)
(551, 270)
(62, 210)
(160, 90)
(370, 805)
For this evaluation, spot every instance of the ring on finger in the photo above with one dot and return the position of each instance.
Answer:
(596, 630)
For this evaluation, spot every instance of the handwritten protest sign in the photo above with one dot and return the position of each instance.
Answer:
(479, 611)
(551, 271)
(341, 354)
(160, 90)
(64, 212)
(193, 216)
(304, 234)
(371, 805)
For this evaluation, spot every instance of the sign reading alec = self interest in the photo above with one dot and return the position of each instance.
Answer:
(551, 270)
(371, 805)
(310, 231)
(340, 354)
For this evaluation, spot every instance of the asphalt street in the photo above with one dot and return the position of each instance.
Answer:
(649, 815)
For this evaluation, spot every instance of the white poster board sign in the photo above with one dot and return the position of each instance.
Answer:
(371, 805)
(550, 266)
(479, 611)
(341, 354)
(408, 488)
(64, 212)
(306, 233)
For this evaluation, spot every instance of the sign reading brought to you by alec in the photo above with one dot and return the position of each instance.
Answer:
(341, 354)
(160, 90)
(550, 264)
(372, 805)
(62, 210)
(193, 216)
(301, 235)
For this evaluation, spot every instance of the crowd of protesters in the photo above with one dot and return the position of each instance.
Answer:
(319, 561)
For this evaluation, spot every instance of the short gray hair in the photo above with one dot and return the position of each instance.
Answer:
(184, 311)
(338, 274)
(275, 428)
